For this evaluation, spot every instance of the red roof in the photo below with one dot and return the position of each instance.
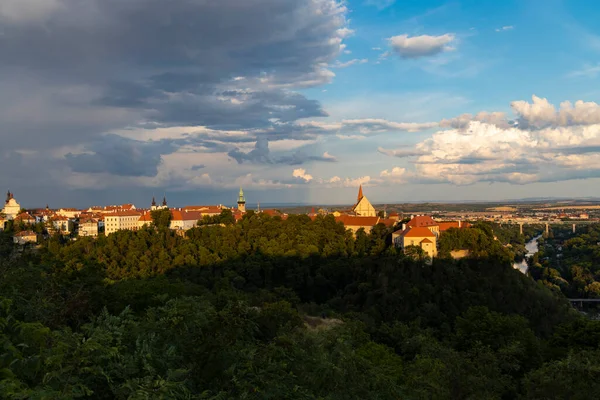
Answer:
(147, 217)
(272, 213)
(426, 241)
(393, 214)
(204, 209)
(24, 217)
(421, 221)
(124, 214)
(177, 215)
(444, 226)
(387, 222)
(351, 220)
(417, 232)
(26, 233)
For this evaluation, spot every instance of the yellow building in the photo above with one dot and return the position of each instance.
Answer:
(416, 236)
(124, 220)
(363, 206)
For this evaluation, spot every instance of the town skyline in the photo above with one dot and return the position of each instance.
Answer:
(299, 101)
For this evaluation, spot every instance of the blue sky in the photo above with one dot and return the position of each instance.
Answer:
(298, 100)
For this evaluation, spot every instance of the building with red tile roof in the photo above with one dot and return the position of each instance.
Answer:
(444, 226)
(184, 220)
(25, 237)
(121, 220)
(206, 210)
(25, 218)
(419, 236)
(424, 221)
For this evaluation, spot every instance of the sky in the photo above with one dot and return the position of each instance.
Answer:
(298, 101)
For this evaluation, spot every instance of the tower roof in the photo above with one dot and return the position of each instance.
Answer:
(360, 194)
(241, 198)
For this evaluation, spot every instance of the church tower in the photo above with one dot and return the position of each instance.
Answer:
(241, 202)
(363, 206)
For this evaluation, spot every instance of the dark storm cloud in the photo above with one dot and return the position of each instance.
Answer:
(261, 154)
(122, 157)
(72, 70)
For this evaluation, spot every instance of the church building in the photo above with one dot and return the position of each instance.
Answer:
(11, 207)
(155, 206)
(363, 206)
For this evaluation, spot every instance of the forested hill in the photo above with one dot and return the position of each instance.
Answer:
(225, 312)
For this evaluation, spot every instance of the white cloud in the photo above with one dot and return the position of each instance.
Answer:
(328, 156)
(301, 173)
(588, 71)
(547, 144)
(462, 121)
(395, 175)
(356, 182)
(421, 46)
(380, 4)
(505, 28)
(346, 64)
(345, 32)
(540, 113)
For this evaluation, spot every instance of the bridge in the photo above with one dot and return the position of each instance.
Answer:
(547, 223)
(578, 303)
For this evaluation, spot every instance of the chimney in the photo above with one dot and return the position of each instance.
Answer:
(459, 223)
(403, 227)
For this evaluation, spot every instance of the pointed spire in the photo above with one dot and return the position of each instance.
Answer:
(164, 203)
(8, 194)
(241, 198)
(360, 193)
(153, 202)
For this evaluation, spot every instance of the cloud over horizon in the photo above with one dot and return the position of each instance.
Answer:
(543, 144)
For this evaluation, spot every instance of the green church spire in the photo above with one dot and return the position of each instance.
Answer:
(241, 199)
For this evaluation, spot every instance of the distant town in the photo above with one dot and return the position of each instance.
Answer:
(420, 229)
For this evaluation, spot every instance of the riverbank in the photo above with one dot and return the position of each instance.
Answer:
(532, 248)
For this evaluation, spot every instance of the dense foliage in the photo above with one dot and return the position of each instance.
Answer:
(569, 262)
(282, 309)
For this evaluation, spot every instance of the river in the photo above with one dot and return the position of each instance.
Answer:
(532, 248)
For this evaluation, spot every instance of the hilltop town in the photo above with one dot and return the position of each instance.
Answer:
(408, 229)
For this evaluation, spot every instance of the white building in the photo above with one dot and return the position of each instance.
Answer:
(180, 219)
(11, 207)
(61, 224)
(123, 220)
(88, 227)
(184, 220)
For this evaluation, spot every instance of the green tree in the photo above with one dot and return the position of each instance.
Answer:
(161, 218)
